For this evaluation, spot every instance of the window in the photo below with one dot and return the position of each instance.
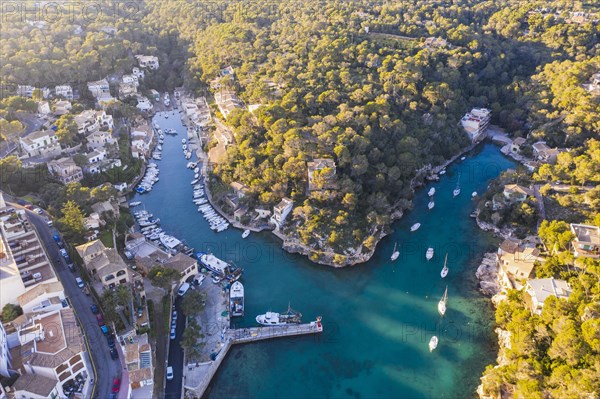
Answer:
(109, 277)
(121, 272)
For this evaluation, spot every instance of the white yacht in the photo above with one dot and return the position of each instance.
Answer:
(431, 204)
(443, 172)
(431, 191)
(169, 241)
(429, 253)
(183, 141)
(415, 227)
(474, 194)
(236, 299)
(442, 303)
(396, 253)
(462, 158)
(246, 233)
(135, 203)
(279, 319)
(444, 271)
(433, 343)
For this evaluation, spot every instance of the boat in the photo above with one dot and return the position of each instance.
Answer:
(442, 303)
(279, 319)
(457, 189)
(218, 266)
(184, 147)
(474, 194)
(396, 253)
(183, 141)
(415, 227)
(246, 233)
(194, 181)
(431, 204)
(429, 253)
(236, 299)
(196, 170)
(443, 172)
(433, 343)
(431, 191)
(169, 241)
(444, 271)
(135, 203)
(462, 158)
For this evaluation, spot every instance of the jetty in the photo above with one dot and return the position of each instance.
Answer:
(197, 376)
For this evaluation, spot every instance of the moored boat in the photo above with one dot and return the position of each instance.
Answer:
(429, 253)
(431, 204)
(433, 343)
(431, 191)
(236, 299)
(246, 233)
(219, 267)
(395, 254)
(457, 189)
(442, 303)
(135, 203)
(279, 319)
(415, 227)
(444, 271)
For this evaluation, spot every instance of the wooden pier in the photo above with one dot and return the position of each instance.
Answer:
(198, 377)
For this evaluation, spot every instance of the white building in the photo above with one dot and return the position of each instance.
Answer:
(143, 103)
(27, 91)
(281, 211)
(64, 91)
(65, 170)
(99, 139)
(86, 122)
(139, 73)
(41, 142)
(476, 122)
(141, 141)
(540, 289)
(62, 107)
(44, 108)
(101, 91)
(5, 357)
(147, 61)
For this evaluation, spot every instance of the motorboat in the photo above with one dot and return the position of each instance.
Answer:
(415, 227)
(474, 194)
(462, 158)
(433, 343)
(135, 203)
(183, 141)
(396, 253)
(444, 271)
(431, 191)
(431, 204)
(429, 253)
(236, 299)
(279, 319)
(246, 233)
(442, 303)
(443, 172)
(194, 181)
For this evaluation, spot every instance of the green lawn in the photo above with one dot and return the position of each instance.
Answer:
(106, 238)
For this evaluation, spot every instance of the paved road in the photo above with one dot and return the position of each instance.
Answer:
(173, 387)
(106, 367)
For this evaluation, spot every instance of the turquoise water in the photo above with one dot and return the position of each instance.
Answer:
(378, 317)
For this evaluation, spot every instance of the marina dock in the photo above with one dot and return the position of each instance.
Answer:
(197, 376)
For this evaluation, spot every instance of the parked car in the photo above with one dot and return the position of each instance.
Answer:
(183, 289)
(114, 354)
(71, 267)
(50, 223)
(79, 282)
(38, 211)
(173, 323)
(63, 253)
(174, 317)
(100, 319)
(116, 385)
(105, 330)
(94, 308)
(173, 333)
(169, 373)
(140, 311)
(111, 341)
(29, 206)
(199, 279)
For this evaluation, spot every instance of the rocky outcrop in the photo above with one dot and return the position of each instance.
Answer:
(487, 273)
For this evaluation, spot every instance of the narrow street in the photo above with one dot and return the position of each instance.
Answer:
(105, 367)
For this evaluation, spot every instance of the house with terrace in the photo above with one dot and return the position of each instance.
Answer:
(476, 123)
(105, 264)
(86, 122)
(64, 91)
(42, 143)
(65, 170)
(147, 61)
(516, 262)
(544, 153)
(538, 290)
(62, 107)
(587, 241)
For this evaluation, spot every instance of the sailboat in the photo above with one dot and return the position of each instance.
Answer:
(444, 271)
(457, 189)
(433, 343)
(442, 303)
(395, 254)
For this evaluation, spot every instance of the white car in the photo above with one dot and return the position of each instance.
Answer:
(38, 211)
(183, 289)
(169, 373)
